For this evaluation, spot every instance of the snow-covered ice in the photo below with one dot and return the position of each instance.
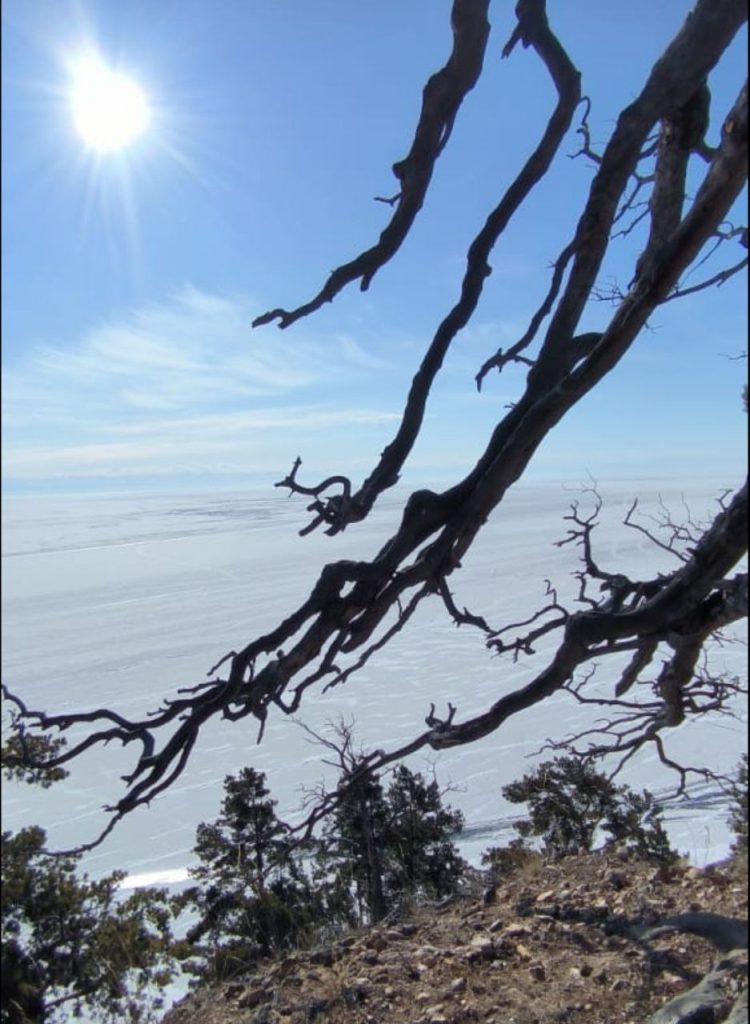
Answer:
(116, 601)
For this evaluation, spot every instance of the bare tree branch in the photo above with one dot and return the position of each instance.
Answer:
(567, 82)
(717, 279)
(501, 359)
(585, 132)
(441, 100)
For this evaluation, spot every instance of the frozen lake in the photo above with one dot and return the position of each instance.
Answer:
(118, 600)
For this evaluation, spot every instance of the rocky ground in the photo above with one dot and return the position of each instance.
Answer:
(554, 942)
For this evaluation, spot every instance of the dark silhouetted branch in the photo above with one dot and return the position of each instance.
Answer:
(441, 101)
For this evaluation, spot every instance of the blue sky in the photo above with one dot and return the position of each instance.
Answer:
(130, 280)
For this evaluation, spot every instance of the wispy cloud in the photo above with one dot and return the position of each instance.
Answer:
(186, 350)
(183, 383)
(356, 355)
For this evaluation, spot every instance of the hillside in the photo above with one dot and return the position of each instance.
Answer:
(555, 942)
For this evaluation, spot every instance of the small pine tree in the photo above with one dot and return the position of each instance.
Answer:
(420, 855)
(352, 844)
(253, 897)
(501, 861)
(384, 845)
(738, 809)
(570, 801)
(21, 751)
(70, 944)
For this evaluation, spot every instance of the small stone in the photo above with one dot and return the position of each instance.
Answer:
(324, 957)
(537, 972)
(253, 997)
(546, 897)
(496, 925)
(435, 1015)
(619, 985)
(481, 948)
(661, 874)
(457, 985)
(616, 879)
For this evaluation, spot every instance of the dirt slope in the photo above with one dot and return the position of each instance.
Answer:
(560, 942)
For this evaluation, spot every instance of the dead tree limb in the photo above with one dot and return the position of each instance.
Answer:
(441, 101)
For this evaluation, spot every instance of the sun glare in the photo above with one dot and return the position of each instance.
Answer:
(109, 109)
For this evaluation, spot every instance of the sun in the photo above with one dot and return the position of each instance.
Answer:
(110, 111)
